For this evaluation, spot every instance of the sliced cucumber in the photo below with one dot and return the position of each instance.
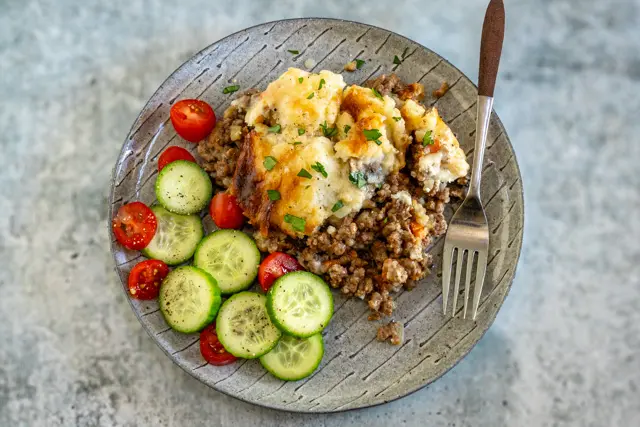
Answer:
(300, 304)
(189, 299)
(183, 187)
(231, 257)
(244, 327)
(294, 358)
(176, 238)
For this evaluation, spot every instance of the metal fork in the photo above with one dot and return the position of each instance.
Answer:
(468, 231)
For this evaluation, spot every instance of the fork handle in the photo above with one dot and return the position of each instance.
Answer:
(490, 51)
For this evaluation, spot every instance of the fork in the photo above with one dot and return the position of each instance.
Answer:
(468, 231)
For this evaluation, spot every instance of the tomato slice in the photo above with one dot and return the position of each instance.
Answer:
(134, 225)
(275, 265)
(192, 119)
(145, 278)
(212, 349)
(172, 154)
(225, 211)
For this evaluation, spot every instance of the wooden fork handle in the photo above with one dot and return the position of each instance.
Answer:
(491, 47)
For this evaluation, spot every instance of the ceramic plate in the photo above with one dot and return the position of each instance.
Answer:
(357, 371)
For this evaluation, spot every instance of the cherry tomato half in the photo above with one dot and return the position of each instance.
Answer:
(192, 119)
(212, 349)
(225, 211)
(145, 278)
(172, 154)
(275, 265)
(134, 225)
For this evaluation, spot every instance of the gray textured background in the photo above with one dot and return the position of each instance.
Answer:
(564, 349)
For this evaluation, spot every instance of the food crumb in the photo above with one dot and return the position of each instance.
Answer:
(350, 66)
(439, 93)
(392, 332)
(309, 63)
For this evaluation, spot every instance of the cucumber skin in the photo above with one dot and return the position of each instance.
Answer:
(227, 231)
(147, 254)
(215, 307)
(167, 169)
(242, 356)
(272, 313)
(298, 378)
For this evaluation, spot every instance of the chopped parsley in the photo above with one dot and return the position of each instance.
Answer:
(426, 139)
(357, 178)
(337, 206)
(322, 82)
(275, 129)
(300, 79)
(293, 52)
(318, 167)
(231, 89)
(376, 93)
(327, 131)
(372, 135)
(397, 60)
(359, 63)
(300, 131)
(397, 119)
(311, 95)
(297, 143)
(304, 173)
(347, 128)
(297, 223)
(269, 162)
(273, 195)
(385, 220)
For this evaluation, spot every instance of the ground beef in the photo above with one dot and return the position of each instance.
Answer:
(392, 331)
(439, 93)
(392, 85)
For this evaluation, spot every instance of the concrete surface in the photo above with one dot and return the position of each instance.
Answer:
(564, 349)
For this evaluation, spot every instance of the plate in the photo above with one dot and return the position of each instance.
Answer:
(357, 371)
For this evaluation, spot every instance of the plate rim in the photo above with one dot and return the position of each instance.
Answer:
(265, 404)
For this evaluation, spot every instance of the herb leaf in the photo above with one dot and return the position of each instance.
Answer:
(297, 223)
(357, 178)
(397, 119)
(327, 131)
(322, 82)
(396, 60)
(275, 129)
(311, 95)
(318, 167)
(376, 93)
(300, 79)
(301, 131)
(337, 206)
(231, 89)
(359, 63)
(372, 135)
(347, 128)
(294, 52)
(273, 195)
(426, 139)
(297, 143)
(269, 162)
(304, 173)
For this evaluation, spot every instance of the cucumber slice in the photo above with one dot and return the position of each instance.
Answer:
(189, 299)
(231, 257)
(244, 327)
(300, 304)
(183, 187)
(176, 238)
(294, 358)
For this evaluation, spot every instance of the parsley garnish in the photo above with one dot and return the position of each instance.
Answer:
(273, 195)
(300, 79)
(318, 167)
(294, 52)
(376, 93)
(275, 129)
(357, 178)
(347, 128)
(231, 89)
(297, 223)
(372, 135)
(359, 63)
(397, 119)
(269, 162)
(327, 131)
(337, 206)
(396, 60)
(304, 173)
(322, 82)
(300, 131)
(297, 143)
(311, 95)
(385, 220)
(426, 139)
